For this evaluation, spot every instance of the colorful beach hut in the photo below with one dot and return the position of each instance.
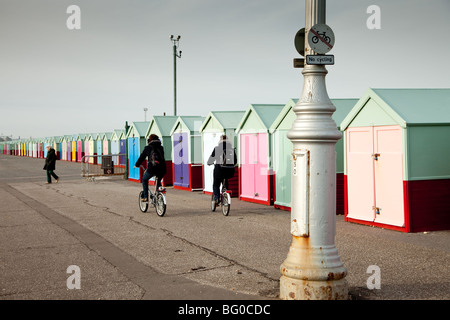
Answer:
(68, 141)
(397, 167)
(106, 143)
(123, 149)
(28, 147)
(56, 144)
(187, 153)
(255, 168)
(40, 144)
(81, 138)
(116, 138)
(162, 126)
(282, 153)
(64, 148)
(99, 147)
(136, 144)
(48, 141)
(92, 149)
(70, 145)
(87, 150)
(32, 146)
(216, 124)
(74, 146)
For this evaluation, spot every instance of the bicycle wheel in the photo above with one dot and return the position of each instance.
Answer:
(143, 205)
(160, 204)
(213, 204)
(226, 203)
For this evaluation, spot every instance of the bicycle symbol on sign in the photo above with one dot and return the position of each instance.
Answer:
(323, 35)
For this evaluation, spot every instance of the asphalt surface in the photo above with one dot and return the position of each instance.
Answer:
(189, 254)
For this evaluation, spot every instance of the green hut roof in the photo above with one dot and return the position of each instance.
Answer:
(343, 107)
(192, 123)
(266, 113)
(406, 106)
(164, 124)
(226, 119)
(139, 127)
(92, 136)
(118, 133)
(82, 136)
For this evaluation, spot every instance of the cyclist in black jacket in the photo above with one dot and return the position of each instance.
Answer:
(156, 167)
(223, 169)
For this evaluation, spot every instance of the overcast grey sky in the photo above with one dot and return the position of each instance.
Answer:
(56, 81)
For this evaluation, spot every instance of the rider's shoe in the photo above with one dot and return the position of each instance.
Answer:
(144, 199)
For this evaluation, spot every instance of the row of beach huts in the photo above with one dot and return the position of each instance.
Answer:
(392, 168)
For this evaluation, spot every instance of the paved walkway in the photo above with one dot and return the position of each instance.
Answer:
(190, 253)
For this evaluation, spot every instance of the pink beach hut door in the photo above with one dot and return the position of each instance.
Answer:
(375, 174)
(248, 158)
(106, 148)
(388, 165)
(79, 150)
(360, 174)
(86, 150)
(254, 180)
(261, 174)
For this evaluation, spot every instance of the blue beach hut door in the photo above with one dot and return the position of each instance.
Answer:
(133, 155)
(181, 160)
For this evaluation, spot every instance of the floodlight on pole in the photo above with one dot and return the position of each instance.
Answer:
(145, 114)
(175, 42)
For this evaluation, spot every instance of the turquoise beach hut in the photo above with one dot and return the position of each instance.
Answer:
(282, 153)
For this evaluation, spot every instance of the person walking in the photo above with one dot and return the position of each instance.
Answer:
(50, 164)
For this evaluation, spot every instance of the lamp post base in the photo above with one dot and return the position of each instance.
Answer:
(295, 289)
(312, 273)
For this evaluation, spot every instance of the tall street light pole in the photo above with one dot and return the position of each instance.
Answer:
(145, 114)
(313, 269)
(176, 55)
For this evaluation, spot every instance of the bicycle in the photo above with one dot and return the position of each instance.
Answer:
(158, 200)
(315, 39)
(224, 199)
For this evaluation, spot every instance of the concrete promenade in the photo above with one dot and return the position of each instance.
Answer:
(191, 253)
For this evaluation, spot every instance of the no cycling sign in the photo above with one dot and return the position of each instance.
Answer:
(321, 40)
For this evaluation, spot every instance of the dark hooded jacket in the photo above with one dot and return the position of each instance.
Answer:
(154, 169)
(50, 160)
